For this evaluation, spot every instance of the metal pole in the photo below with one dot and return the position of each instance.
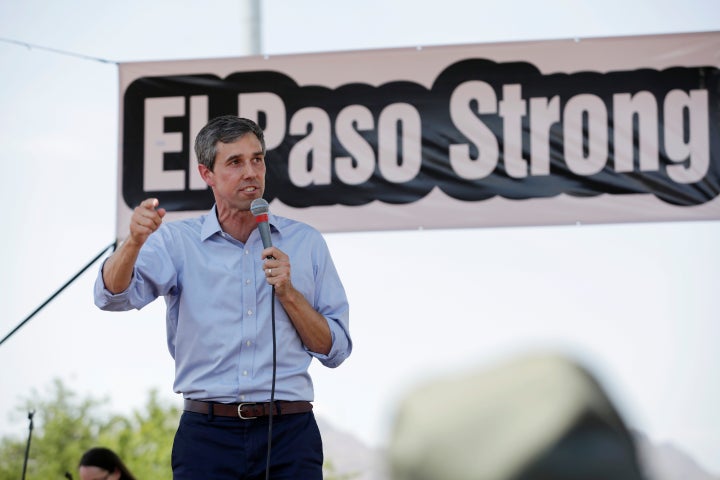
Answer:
(256, 40)
(251, 27)
(27, 448)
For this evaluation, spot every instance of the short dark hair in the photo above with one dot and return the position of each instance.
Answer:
(225, 129)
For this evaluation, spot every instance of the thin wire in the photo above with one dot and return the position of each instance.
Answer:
(272, 388)
(32, 46)
(20, 325)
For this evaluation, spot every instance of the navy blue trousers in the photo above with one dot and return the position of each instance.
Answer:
(221, 448)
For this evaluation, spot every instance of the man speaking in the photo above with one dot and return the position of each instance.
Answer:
(244, 317)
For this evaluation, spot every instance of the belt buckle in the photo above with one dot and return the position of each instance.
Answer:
(239, 408)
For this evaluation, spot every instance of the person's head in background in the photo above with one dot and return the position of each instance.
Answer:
(101, 463)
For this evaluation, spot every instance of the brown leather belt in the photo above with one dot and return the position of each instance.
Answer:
(247, 411)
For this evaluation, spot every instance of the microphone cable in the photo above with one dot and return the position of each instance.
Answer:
(272, 387)
(260, 208)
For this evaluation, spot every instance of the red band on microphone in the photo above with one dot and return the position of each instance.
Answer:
(263, 217)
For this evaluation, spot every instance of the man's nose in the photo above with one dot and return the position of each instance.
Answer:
(248, 170)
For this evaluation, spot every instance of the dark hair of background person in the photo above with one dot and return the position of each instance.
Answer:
(106, 459)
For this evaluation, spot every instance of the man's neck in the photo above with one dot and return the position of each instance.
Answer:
(237, 223)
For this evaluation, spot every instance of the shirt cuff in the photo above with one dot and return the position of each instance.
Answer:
(339, 350)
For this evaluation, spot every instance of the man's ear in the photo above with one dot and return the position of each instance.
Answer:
(206, 174)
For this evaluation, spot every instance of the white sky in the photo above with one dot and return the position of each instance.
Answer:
(636, 303)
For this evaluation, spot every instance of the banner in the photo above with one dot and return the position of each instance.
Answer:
(599, 130)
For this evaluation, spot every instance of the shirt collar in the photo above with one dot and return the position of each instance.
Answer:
(211, 226)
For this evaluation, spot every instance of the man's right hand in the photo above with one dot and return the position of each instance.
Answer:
(146, 218)
(118, 269)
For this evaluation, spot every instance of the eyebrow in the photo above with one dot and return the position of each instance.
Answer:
(259, 153)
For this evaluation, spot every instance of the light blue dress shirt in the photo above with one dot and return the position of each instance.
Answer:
(219, 307)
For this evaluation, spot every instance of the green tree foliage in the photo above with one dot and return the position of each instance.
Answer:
(65, 426)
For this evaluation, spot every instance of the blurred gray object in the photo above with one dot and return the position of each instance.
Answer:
(540, 417)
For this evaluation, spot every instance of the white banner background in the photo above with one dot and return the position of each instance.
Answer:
(422, 66)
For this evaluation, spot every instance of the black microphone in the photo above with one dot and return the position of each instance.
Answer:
(260, 208)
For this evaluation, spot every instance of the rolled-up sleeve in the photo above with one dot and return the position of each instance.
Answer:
(153, 275)
(106, 300)
(331, 302)
(341, 345)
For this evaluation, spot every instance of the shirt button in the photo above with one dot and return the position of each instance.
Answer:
(247, 281)
(248, 343)
(249, 312)
(242, 397)
(247, 252)
(244, 373)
